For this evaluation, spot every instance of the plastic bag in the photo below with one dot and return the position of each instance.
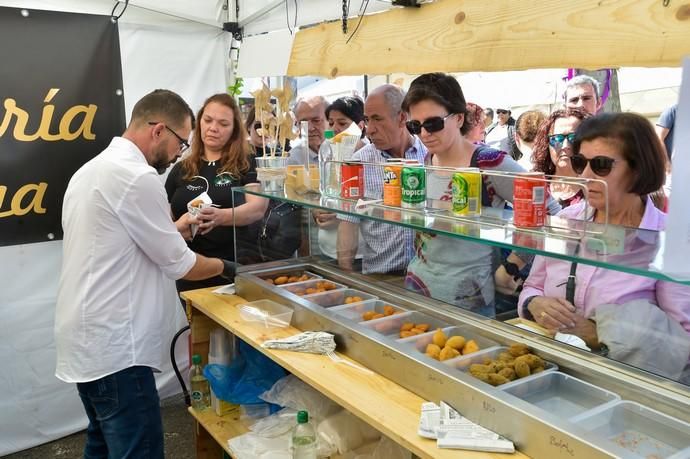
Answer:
(250, 374)
(293, 393)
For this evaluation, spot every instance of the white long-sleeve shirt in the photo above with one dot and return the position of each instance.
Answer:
(119, 245)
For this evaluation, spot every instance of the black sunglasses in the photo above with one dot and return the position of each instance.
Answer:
(600, 165)
(431, 125)
(183, 143)
(502, 112)
(257, 126)
(557, 140)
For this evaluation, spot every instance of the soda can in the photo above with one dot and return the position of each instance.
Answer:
(529, 200)
(392, 184)
(413, 187)
(466, 188)
(352, 176)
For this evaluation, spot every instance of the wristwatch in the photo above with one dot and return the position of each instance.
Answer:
(525, 308)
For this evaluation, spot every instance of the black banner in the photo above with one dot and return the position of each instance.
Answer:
(62, 102)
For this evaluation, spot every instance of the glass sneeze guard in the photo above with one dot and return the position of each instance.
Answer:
(630, 250)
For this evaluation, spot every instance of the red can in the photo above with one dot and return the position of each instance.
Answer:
(352, 180)
(529, 200)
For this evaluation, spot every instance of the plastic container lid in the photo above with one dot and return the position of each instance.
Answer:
(196, 359)
(328, 134)
(302, 417)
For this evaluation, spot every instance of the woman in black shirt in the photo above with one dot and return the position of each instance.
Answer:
(220, 154)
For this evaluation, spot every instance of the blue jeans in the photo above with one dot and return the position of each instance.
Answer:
(124, 416)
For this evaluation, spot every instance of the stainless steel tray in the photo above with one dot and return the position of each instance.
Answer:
(560, 394)
(535, 433)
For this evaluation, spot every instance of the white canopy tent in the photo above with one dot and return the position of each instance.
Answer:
(178, 45)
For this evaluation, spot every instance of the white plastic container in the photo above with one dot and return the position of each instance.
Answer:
(463, 363)
(338, 297)
(390, 326)
(421, 341)
(631, 430)
(305, 288)
(354, 311)
(266, 313)
(560, 394)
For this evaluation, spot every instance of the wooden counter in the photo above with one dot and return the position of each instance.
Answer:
(381, 403)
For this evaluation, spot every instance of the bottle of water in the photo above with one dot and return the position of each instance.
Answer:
(303, 438)
(201, 393)
(327, 170)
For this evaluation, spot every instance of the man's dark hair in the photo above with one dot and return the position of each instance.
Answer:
(161, 105)
(640, 146)
(440, 88)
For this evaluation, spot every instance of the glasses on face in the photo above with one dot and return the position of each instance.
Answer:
(557, 140)
(183, 143)
(600, 165)
(502, 112)
(431, 125)
(257, 126)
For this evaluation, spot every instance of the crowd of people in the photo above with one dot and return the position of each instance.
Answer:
(125, 232)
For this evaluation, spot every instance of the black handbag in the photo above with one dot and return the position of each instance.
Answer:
(280, 233)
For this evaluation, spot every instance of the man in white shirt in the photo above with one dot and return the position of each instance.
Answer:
(497, 135)
(120, 244)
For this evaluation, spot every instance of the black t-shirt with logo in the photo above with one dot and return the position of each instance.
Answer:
(219, 241)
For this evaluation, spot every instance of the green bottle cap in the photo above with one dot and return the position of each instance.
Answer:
(302, 417)
(329, 134)
(196, 359)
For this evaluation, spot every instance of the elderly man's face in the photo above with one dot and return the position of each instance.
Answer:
(316, 116)
(582, 96)
(384, 124)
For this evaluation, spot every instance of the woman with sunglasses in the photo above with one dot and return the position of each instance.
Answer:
(218, 160)
(453, 270)
(603, 307)
(552, 150)
(552, 146)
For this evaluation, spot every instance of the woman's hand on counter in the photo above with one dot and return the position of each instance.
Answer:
(553, 313)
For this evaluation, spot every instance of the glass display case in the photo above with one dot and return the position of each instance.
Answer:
(628, 397)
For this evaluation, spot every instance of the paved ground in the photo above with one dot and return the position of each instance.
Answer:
(178, 431)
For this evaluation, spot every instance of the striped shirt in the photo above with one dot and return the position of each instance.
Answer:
(382, 250)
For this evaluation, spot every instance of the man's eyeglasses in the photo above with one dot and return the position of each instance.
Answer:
(184, 145)
(431, 125)
(600, 165)
(502, 112)
(557, 140)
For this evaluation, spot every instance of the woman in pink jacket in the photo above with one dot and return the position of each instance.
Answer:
(622, 150)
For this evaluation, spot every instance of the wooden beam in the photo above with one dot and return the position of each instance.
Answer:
(476, 35)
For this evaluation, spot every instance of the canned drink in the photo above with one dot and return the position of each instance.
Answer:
(413, 187)
(392, 186)
(467, 193)
(529, 200)
(352, 176)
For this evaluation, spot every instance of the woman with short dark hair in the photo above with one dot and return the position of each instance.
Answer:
(345, 111)
(624, 155)
(452, 270)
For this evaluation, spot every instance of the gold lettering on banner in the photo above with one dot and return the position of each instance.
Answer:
(35, 193)
(83, 114)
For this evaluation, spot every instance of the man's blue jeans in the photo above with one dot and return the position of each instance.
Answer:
(124, 416)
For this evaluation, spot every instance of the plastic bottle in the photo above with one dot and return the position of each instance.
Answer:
(327, 170)
(303, 438)
(201, 393)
